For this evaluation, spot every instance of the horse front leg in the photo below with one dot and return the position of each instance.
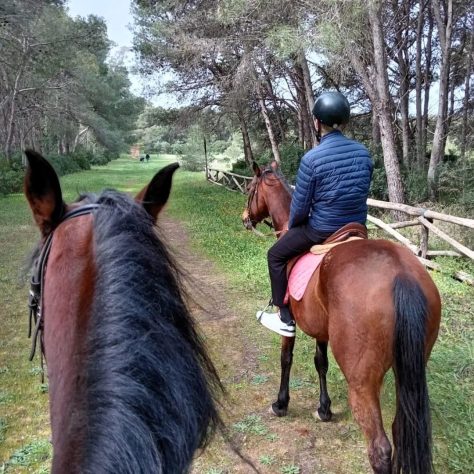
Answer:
(321, 363)
(280, 407)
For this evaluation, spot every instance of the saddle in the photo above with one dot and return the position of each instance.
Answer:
(300, 269)
(351, 231)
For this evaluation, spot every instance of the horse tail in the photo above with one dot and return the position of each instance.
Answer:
(412, 425)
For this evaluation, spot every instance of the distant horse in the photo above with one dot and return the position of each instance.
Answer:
(131, 387)
(378, 307)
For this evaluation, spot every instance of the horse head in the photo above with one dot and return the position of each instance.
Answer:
(131, 387)
(268, 196)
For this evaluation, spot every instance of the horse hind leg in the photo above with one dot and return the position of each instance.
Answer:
(321, 363)
(365, 404)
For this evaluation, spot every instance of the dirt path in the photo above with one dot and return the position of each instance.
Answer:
(249, 369)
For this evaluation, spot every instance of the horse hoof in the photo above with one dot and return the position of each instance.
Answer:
(325, 417)
(275, 411)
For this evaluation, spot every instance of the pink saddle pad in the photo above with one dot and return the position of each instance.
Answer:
(300, 275)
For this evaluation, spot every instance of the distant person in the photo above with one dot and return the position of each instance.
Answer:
(147, 156)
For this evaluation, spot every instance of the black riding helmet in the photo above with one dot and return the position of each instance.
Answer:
(332, 108)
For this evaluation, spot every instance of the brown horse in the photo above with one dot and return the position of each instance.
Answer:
(130, 384)
(377, 306)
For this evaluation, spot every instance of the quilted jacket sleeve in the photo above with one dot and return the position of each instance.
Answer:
(304, 191)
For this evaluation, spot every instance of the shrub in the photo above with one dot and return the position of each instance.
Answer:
(64, 164)
(11, 174)
(291, 154)
(11, 180)
(83, 159)
(241, 167)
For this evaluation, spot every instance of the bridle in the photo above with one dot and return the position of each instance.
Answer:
(249, 224)
(35, 298)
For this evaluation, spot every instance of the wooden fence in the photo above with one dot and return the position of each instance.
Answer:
(423, 218)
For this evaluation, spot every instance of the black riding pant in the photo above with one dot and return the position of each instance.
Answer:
(296, 241)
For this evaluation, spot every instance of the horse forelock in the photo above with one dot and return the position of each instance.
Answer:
(149, 385)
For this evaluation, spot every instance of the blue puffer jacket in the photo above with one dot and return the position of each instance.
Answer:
(332, 184)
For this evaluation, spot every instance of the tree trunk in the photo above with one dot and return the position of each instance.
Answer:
(308, 88)
(403, 67)
(375, 129)
(392, 168)
(268, 123)
(306, 121)
(12, 114)
(273, 98)
(427, 81)
(78, 136)
(420, 152)
(437, 151)
(467, 85)
(248, 154)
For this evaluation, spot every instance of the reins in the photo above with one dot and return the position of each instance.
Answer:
(35, 298)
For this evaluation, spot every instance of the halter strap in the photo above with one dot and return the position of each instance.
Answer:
(35, 298)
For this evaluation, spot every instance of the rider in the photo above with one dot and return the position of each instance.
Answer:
(332, 187)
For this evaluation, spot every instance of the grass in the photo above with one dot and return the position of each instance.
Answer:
(212, 217)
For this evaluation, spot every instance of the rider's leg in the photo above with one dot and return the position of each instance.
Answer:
(296, 241)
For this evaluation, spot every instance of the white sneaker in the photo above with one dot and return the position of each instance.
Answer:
(273, 322)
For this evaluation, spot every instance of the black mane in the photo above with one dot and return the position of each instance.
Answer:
(150, 385)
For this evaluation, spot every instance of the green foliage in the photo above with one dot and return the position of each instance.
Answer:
(259, 379)
(456, 183)
(11, 180)
(290, 469)
(252, 424)
(64, 164)
(31, 454)
(192, 151)
(267, 460)
(291, 154)
(68, 81)
(3, 429)
(241, 167)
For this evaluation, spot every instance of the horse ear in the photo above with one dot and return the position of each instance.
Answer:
(43, 192)
(155, 195)
(274, 165)
(256, 169)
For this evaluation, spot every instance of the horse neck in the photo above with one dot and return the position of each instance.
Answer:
(278, 200)
(142, 348)
(68, 296)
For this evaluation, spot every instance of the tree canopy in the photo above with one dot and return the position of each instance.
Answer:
(262, 63)
(58, 89)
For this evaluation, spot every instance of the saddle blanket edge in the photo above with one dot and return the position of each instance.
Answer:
(300, 275)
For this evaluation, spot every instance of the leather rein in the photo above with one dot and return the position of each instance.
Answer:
(35, 298)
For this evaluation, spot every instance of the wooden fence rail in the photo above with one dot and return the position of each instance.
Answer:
(423, 218)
